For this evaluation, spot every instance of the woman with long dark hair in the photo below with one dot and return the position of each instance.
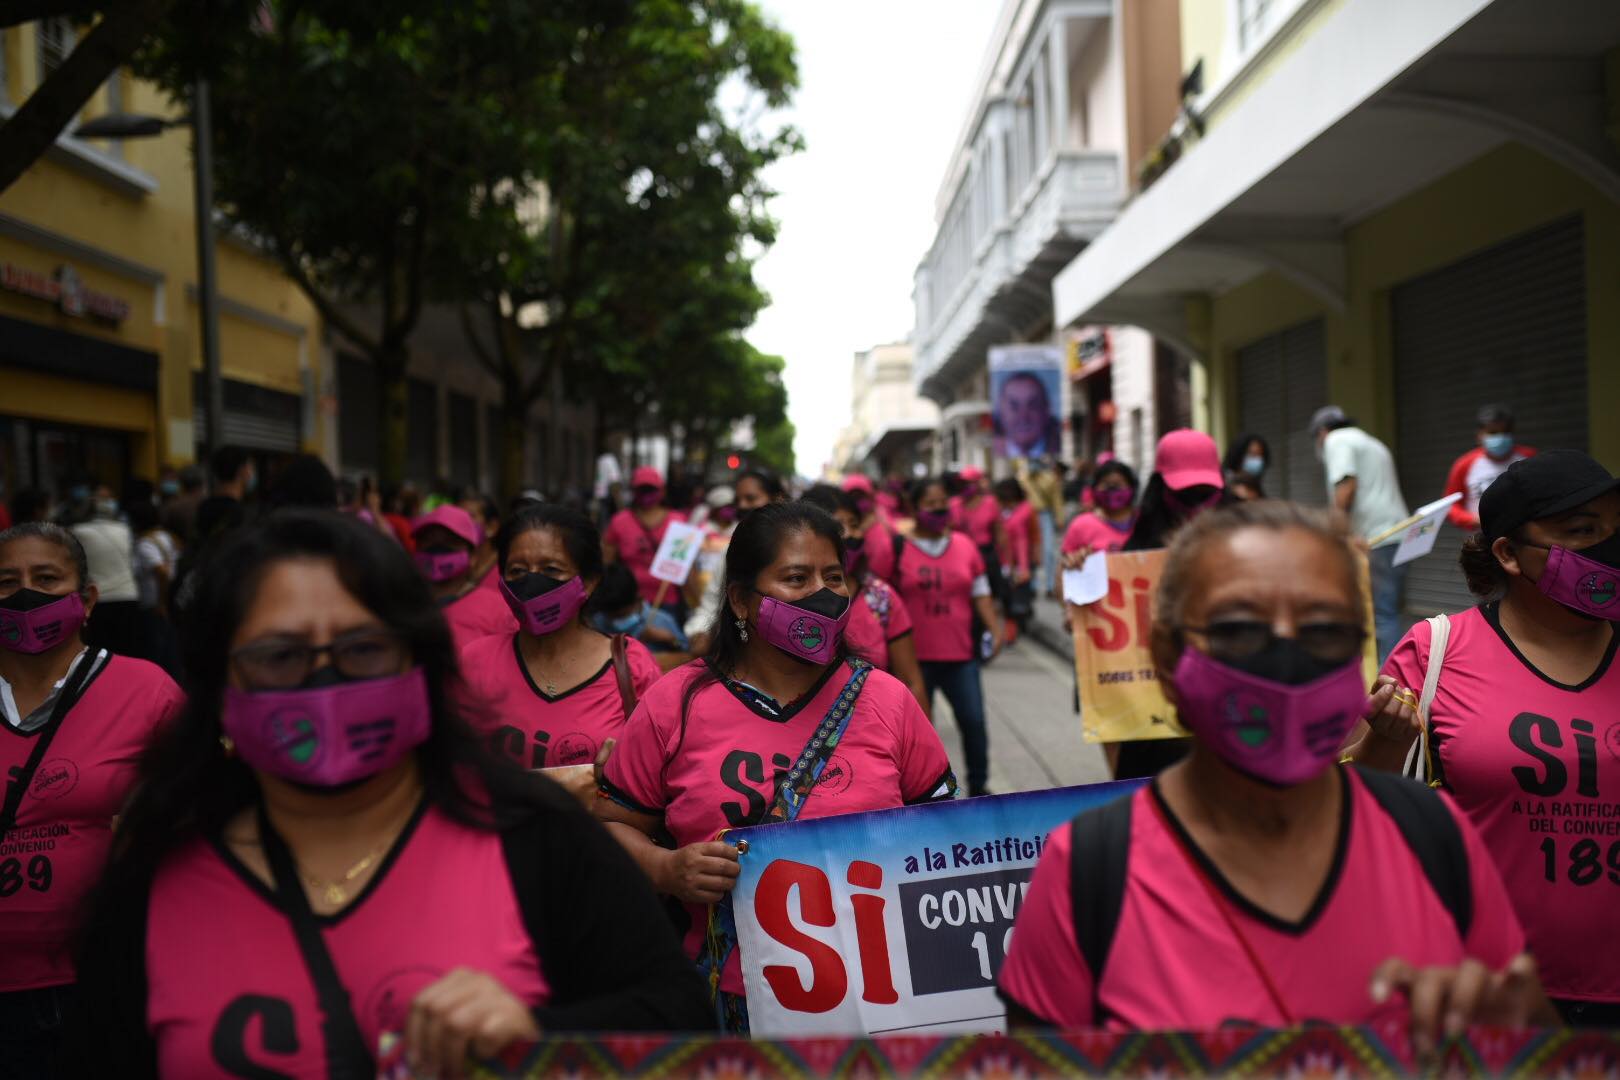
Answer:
(777, 722)
(319, 852)
(1247, 460)
(553, 694)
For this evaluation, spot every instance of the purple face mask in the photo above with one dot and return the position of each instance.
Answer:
(439, 566)
(809, 630)
(646, 498)
(864, 506)
(1277, 733)
(934, 520)
(1581, 583)
(329, 736)
(32, 622)
(1116, 498)
(549, 609)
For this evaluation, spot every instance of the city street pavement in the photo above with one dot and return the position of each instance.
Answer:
(1034, 731)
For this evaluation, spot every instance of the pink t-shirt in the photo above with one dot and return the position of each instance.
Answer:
(1015, 523)
(478, 613)
(1097, 533)
(978, 520)
(54, 855)
(228, 992)
(939, 595)
(718, 770)
(1536, 767)
(1175, 964)
(879, 617)
(879, 549)
(637, 545)
(538, 731)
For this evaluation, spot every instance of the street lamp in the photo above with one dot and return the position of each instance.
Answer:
(137, 126)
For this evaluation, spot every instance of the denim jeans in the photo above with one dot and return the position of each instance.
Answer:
(1388, 581)
(31, 1023)
(959, 681)
(1049, 551)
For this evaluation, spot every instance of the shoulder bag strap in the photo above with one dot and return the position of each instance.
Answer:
(621, 672)
(1099, 857)
(346, 1055)
(899, 547)
(1432, 834)
(66, 698)
(799, 782)
(1419, 759)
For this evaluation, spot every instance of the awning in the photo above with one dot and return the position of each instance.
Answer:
(1381, 99)
(890, 438)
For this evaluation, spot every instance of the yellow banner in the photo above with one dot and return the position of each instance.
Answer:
(1120, 698)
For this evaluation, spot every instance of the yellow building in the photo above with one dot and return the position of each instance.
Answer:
(1408, 209)
(100, 347)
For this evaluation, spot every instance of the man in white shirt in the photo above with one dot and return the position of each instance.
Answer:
(1362, 482)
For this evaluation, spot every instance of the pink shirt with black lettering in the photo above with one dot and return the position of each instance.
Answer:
(1535, 764)
(476, 614)
(1174, 962)
(539, 730)
(878, 617)
(717, 770)
(938, 591)
(1097, 533)
(228, 993)
(53, 856)
(637, 545)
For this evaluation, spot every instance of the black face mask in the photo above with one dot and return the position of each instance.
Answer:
(28, 600)
(530, 586)
(823, 602)
(1284, 661)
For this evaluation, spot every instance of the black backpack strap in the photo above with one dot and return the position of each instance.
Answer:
(1100, 844)
(899, 549)
(1432, 834)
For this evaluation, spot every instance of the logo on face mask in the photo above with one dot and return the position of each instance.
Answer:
(293, 735)
(10, 631)
(808, 634)
(1600, 592)
(1250, 724)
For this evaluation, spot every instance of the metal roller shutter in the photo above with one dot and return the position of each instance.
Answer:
(422, 432)
(256, 418)
(463, 439)
(1506, 325)
(358, 414)
(1282, 379)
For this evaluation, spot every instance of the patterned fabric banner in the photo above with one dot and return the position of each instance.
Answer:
(1297, 1055)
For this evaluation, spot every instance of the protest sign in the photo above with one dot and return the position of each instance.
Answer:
(1119, 692)
(890, 921)
(678, 551)
(1419, 537)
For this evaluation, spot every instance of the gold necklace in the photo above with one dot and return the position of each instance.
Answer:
(336, 892)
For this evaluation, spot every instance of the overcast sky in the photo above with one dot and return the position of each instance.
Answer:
(884, 88)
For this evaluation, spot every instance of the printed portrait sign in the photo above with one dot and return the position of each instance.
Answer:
(1026, 400)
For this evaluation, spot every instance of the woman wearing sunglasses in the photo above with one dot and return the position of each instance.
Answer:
(319, 853)
(1256, 881)
(556, 692)
(1523, 729)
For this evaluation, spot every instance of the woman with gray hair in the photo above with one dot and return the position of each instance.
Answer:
(75, 719)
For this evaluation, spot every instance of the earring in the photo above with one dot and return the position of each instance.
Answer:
(227, 744)
(742, 629)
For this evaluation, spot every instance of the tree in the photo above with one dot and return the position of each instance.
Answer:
(626, 278)
(355, 137)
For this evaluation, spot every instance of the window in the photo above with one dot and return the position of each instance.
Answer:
(54, 39)
(1252, 22)
(115, 106)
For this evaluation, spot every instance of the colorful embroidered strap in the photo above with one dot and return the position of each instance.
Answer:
(794, 790)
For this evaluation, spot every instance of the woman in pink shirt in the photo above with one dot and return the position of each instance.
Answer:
(1257, 882)
(554, 693)
(634, 533)
(319, 852)
(879, 624)
(1524, 727)
(777, 722)
(446, 540)
(1113, 489)
(1019, 548)
(73, 721)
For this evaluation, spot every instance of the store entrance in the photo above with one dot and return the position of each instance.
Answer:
(54, 457)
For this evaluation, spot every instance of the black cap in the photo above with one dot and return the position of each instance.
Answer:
(1542, 486)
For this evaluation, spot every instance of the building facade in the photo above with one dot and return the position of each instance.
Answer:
(1071, 96)
(1410, 210)
(100, 348)
(892, 427)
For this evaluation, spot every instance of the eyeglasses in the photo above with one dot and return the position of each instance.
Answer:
(1239, 639)
(284, 664)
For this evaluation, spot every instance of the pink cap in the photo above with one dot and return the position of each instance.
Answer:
(453, 518)
(972, 474)
(858, 482)
(647, 476)
(1188, 458)
(1105, 457)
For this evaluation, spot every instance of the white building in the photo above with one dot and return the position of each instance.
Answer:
(1071, 96)
(891, 426)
